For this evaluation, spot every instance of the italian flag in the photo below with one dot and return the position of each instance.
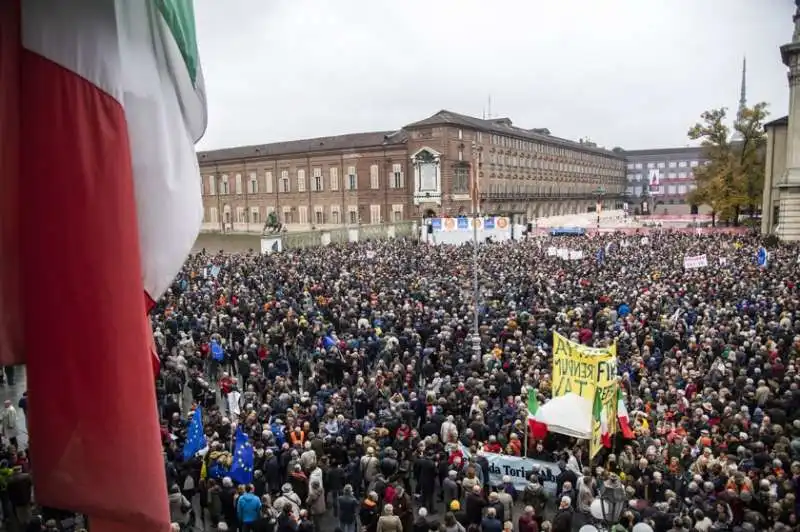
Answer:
(535, 426)
(622, 416)
(600, 414)
(101, 104)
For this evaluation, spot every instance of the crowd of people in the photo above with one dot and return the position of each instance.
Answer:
(355, 374)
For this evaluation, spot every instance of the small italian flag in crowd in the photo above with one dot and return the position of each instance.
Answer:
(622, 415)
(535, 426)
(599, 413)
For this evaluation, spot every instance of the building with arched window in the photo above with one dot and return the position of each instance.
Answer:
(446, 164)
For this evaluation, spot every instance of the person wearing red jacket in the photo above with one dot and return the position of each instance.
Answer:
(492, 446)
(403, 432)
(225, 384)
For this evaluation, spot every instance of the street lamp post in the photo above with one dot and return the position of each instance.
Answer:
(599, 205)
(612, 500)
(475, 215)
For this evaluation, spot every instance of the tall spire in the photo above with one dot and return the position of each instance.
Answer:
(743, 90)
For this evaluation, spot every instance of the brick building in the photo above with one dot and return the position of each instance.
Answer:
(424, 169)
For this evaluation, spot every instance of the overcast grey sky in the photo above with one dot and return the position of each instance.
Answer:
(630, 73)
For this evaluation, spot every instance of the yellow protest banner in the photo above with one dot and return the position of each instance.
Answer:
(581, 369)
(587, 371)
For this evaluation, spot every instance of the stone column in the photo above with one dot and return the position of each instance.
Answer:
(789, 203)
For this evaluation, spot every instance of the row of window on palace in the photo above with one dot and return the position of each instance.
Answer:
(541, 188)
(526, 162)
(302, 215)
(536, 147)
(665, 164)
(670, 190)
(300, 183)
(669, 175)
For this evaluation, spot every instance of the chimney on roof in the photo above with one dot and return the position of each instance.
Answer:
(502, 121)
(540, 131)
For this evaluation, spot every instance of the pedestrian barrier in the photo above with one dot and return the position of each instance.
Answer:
(349, 233)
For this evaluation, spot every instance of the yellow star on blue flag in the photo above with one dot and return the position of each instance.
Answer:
(242, 467)
(196, 438)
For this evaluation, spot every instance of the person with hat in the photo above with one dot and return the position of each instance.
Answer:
(288, 498)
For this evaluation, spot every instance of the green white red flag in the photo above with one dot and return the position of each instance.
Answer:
(102, 103)
(622, 416)
(537, 428)
(600, 414)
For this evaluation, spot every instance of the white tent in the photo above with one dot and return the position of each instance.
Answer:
(568, 414)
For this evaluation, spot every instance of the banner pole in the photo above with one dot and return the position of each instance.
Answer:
(527, 430)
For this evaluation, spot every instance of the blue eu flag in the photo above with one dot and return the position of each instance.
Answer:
(600, 256)
(196, 439)
(328, 341)
(762, 257)
(243, 459)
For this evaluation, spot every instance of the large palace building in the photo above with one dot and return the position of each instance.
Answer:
(447, 164)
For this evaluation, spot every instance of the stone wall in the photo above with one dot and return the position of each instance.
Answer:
(229, 243)
(242, 242)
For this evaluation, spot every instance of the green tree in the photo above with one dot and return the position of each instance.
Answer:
(731, 182)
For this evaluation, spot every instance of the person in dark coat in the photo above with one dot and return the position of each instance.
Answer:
(421, 522)
(272, 471)
(286, 521)
(459, 514)
(334, 482)
(450, 488)
(474, 505)
(305, 524)
(369, 513)
(425, 469)
(562, 522)
(226, 497)
(404, 508)
(346, 509)
(259, 483)
(19, 495)
(491, 523)
(267, 521)
(214, 501)
(497, 506)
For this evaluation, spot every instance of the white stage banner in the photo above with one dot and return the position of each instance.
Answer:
(695, 261)
(519, 469)
(565, 253)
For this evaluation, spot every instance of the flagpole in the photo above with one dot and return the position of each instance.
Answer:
(527, 430)
(475, 214)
